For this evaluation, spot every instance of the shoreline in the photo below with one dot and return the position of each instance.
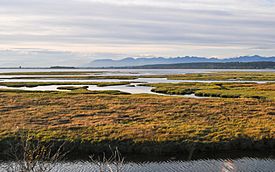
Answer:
(176, 150)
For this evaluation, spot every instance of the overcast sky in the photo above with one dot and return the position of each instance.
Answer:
(74, 32)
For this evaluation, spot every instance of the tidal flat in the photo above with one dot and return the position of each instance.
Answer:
(242, 119)
(84, 75)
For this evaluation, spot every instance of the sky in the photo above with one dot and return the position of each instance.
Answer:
(75, 32)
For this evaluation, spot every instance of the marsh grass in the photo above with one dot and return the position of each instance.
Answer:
(36, 84)
(73, 88)
(139, 123)
(221, 76)
(27, 154)
(54, 73)
(73, 91)
(223, 90)
(75, 77)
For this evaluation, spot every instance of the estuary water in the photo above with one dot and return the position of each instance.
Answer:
(240, 165)
(110, 72)
(207, 165)
(133, 88)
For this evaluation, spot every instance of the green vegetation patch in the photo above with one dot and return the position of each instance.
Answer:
(71, 90)
(72, 87)
(221, 76)
(75, 77)
(35, 84)
(224, 90)
(54, 73)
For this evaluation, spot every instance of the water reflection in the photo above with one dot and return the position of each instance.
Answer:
(244, 165)
(228, 166)
(220, 165)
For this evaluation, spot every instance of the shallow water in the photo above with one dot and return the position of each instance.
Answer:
(139, 80)
(244, 165)
(117, 72)
(209, 165)
(136, 71)
(133, 88)
(123, 88)
(136, 89)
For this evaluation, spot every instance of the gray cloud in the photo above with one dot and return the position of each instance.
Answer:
(110, 28)
(39, 57)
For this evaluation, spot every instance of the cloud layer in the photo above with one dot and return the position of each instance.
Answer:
(80, 30)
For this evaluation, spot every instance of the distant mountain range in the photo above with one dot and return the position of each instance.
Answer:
(161, 60)
(208, 65)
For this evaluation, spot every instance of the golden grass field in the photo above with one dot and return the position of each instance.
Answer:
(135, 117)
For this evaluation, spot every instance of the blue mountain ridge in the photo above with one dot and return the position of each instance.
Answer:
(130, 61)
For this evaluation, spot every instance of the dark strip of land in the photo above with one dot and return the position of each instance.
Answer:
(228, 65)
